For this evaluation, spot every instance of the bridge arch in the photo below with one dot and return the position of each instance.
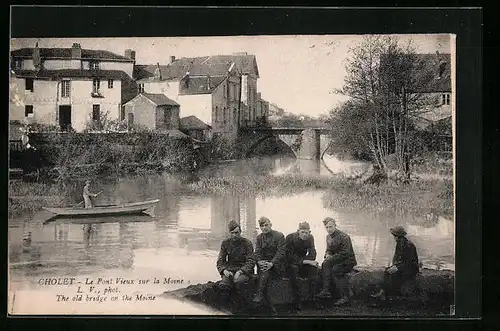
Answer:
(260, 139)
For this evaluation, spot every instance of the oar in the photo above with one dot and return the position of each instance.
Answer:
(84, 200)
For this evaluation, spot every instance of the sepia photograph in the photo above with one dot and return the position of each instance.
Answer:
(266, 175)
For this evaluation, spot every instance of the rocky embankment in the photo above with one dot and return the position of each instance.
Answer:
(432, 289)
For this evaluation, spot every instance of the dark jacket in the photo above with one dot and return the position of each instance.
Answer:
(271, 247)
(339, 245)
(405, 257)
(298, 250)
(236, 255)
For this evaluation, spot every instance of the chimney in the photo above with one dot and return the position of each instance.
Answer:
(36, 57)
(171, 59)
(76, 51)
(130, 54)
(157, 71)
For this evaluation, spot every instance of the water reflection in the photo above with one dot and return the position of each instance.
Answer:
(184, 236)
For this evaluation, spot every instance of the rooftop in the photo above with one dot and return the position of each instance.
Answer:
(70, 73)
(65, 53)
(159, 99)
(193, 123)
(217, 65)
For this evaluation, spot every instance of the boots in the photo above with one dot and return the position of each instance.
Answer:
(379, 295)
(324, 294)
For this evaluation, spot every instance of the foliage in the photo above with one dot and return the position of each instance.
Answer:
(383, 83)
(223, 147)
(89, 154)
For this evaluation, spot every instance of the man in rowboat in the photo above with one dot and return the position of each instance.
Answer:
(235, 263)
(87, 195)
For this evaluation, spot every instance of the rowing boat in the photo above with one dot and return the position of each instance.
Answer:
(132, 208)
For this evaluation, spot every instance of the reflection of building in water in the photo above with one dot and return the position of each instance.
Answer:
(225, 209)
(222, 211)
(308, 167)
(126, 251)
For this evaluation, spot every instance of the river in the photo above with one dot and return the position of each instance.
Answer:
(182, 239)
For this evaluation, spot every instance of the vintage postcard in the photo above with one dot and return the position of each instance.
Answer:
(298, 175)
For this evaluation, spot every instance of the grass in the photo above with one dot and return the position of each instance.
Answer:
(418, 197)
(259, 185)
(341, 193)
(25, 198)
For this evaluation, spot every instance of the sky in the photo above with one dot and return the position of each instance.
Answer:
(297, 73)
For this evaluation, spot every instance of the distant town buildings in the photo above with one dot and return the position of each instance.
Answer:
(68, 87)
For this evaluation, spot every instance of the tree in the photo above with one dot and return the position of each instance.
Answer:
(384, 84)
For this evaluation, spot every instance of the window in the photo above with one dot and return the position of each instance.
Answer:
(216, 113)
(28, 111)
(110, 83)
(224, 112)
(96, 85)
(141, 88)
(94, 65)
(122, 112)
(446, 99)
(96, 113)
(65, 88)
(17, 64)
(130, 119)
(29, 84)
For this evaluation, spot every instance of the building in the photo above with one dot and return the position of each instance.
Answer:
(152, 111)
(219, 90)
(196, 128)
(68, 87)
(432, 85)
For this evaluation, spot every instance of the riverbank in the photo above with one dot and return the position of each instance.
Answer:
(341, 193)
(431, 293)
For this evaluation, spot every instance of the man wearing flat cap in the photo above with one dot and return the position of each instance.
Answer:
(270, 256)
(339, 261)
(404, 266)
(301, 258)
(235, 263)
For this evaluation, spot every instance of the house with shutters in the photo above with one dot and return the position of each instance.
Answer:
(67, 87)
(219, 90)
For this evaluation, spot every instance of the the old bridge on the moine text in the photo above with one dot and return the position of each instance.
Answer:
(306, 143)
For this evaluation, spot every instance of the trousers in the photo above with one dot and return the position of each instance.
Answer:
(295, 272)
(336, 272)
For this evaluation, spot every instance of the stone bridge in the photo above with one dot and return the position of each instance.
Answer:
(305, 143)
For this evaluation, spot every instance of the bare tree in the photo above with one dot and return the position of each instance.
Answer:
(385, 83)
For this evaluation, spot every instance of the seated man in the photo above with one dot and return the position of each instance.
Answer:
(339, 260)
(235, 263)
(270, 256)
(301, 256)
(404, 267)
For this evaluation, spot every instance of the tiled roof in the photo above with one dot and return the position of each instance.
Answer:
(47, 53)
(216, 65)
(199, 84)
(71, 73)
(173, 133)
(160, 99)
(193, 123)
